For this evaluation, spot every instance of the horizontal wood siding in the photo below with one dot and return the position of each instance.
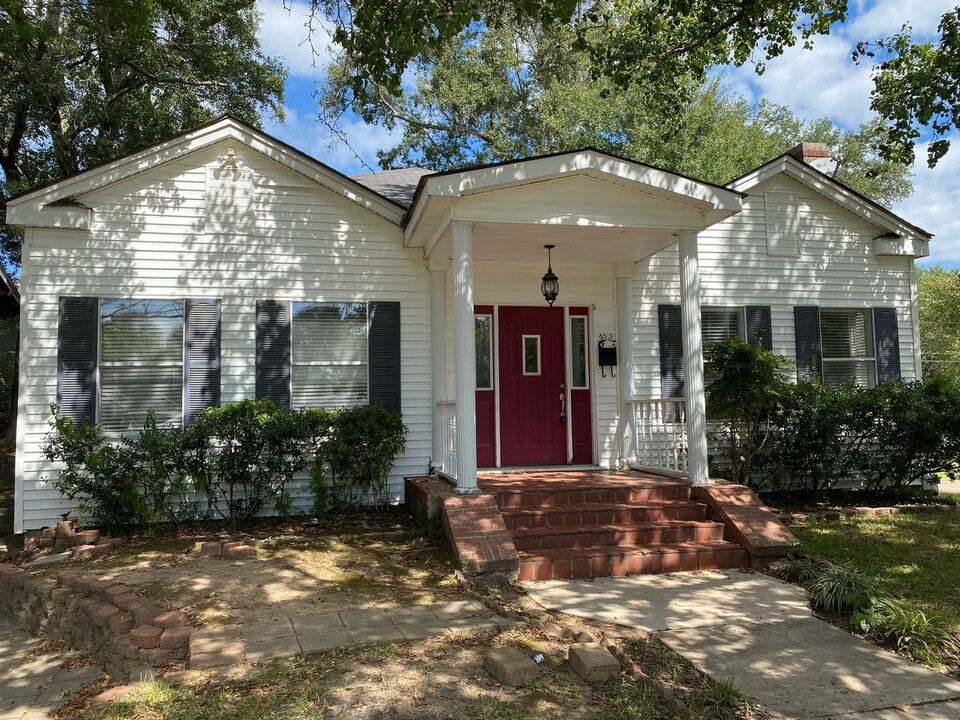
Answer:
(836, 268)
(148, 240)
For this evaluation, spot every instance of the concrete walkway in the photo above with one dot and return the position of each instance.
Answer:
(760, 632)
(317, 633)
(31, 688)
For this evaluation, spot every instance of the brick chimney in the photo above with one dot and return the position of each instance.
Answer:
(817, 156)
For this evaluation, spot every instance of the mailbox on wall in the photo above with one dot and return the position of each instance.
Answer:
(607, 355)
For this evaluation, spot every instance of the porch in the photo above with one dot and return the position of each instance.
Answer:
(559, 524)
(526, 386)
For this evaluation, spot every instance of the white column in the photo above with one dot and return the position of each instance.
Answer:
(623, 272)
(438, 349)
(693, 360)
(466, 358)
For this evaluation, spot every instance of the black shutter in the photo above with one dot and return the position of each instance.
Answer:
(806, 321)
(273, 351)
(671, 351)
(759, 326)
(383, 343)
(201, 357)
(77, 358)
(888, 344)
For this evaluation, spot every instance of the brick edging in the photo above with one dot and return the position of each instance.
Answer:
(837, 513)
(103, 618)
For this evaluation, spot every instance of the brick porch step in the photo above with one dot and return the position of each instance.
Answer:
(613, 560)
(507, 499)
(628, 513)
(654, 533)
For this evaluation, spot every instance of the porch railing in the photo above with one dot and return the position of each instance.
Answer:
(661, 434)
(448, 439)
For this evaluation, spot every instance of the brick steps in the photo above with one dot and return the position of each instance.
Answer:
(619, 560)
(585, 536)
(507, 499)
(628, 513)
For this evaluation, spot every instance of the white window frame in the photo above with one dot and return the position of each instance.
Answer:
(586, 351)
(742, 317)
(523, 355)
(100, 364)
(869, 343)
(324, 363)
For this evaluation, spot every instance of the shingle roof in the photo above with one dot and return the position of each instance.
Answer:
(397, 185)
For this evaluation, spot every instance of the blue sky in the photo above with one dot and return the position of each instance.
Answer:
(815, 83)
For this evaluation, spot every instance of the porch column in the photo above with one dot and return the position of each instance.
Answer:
(623, 272)
(438, 349)
(466, 358)
(693, 360)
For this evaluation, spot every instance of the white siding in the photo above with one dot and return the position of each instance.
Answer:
(836, 268)
(148, 239)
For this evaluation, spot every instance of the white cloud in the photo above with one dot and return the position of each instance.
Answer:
(935, 205)
(284, 33)
(877, 20)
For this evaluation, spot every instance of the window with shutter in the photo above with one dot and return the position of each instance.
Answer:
(329, 354)
(848, 346)
(716, 325)
(141, 362)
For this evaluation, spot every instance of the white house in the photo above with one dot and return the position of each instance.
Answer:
(250, 269)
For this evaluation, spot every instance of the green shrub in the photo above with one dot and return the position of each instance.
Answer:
(817, 436)
(359, 452)
(914, 432)
(798, 570)
(909, 630)
(749, 383)
(841, 591)
(246, 453)
(93, 473)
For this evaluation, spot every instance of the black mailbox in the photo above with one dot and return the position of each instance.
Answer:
(607, 354)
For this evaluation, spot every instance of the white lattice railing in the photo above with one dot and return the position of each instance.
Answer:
(448, 439)
(661, 434)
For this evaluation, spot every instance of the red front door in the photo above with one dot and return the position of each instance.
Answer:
(532, 418)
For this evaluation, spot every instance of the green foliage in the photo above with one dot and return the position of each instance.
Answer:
(938, 295)
(749, 383)
(799, 570)
(81, 82)
(92, 472)
(842, 591)
(914, 432)
(247, 454)
(240, 459)
(518, 89)
(909, 630)
(817, 437)
(359, 452)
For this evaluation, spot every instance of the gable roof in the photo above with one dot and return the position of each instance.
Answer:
(398, 185)
(63, 191)
(832, 190)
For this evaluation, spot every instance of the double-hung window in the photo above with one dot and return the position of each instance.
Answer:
(848, 347)
(329, 354)
(141, 362)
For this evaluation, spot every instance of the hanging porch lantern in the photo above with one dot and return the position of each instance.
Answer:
(550, 285)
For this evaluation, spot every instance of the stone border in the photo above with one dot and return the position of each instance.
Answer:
(553, 628)
(86, 544)
(833, 514)
(123, 632)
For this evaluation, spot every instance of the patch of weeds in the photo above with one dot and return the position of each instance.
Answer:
(722, 695)
(798, 570)
(841, 591)
(498, 710)
(910, 631)
(634, 700)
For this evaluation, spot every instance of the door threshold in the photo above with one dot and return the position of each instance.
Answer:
(538, 468)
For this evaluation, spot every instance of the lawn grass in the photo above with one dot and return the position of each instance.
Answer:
(914, 555)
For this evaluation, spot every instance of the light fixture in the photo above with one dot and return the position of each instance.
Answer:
(550, 286)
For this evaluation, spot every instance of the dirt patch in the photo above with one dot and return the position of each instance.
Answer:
(307, 572)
